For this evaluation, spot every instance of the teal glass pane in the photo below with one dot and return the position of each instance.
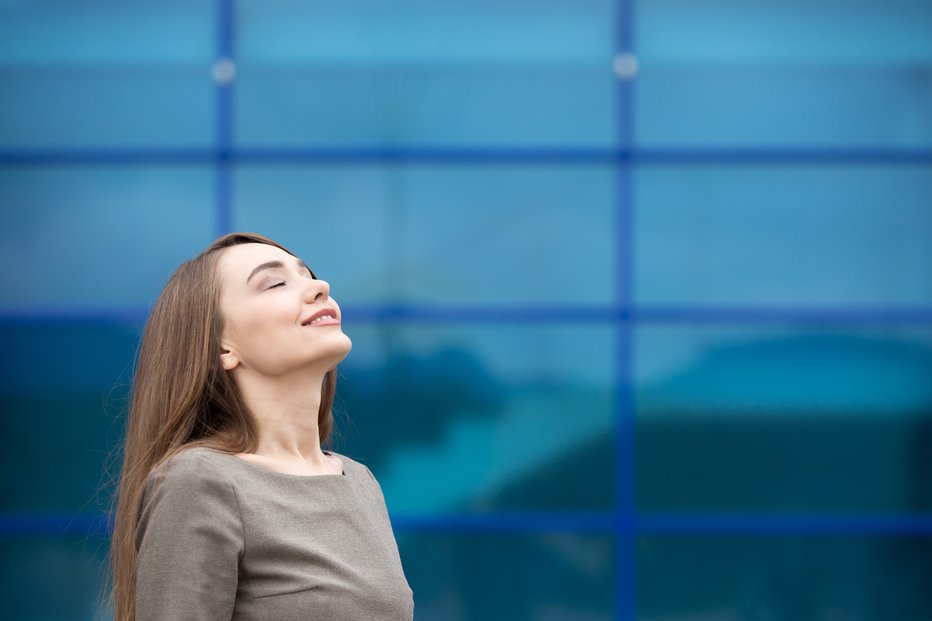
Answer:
(783, 74)
(536, 235)
(419, 74)
(465, 235)
(106, 74)
(789, 236)
(855, 577)
(97, 237)
(57, 577)
(335, 218)
(459, 418)
(784, 418)
(478, 577)
(65, 394)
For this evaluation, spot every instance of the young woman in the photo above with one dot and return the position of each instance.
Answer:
(228, 506)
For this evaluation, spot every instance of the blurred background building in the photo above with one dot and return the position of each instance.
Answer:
(640, 293)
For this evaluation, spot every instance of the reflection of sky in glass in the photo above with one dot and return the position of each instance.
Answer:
(473, 417)
(98, 237)
(783, 235)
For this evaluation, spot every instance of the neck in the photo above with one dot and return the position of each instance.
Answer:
(285, 409)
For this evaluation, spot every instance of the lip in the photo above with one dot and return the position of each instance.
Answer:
(323, 311)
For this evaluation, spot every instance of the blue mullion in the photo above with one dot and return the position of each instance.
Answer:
(783, 524)
(625, 462)
(225, 152)
(763, 314)
(223, 198)
(781, 155)
(62, 523)
(19, 523)
(673, 524)
(430, 155)
(534, 314)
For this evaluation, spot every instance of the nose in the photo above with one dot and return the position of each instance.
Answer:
(316, 288)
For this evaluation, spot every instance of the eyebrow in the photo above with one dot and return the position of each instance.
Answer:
(271, 264)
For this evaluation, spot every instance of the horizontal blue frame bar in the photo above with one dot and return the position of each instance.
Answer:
(309, 155)
(783, 155)
(693, 524)
(508, 522)
(531, 314)
(15, 523)
(773, 314)
(456, 155)
(674, 523)
(815, 524)
(440, 314)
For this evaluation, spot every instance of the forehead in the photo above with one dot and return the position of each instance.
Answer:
(237, 262)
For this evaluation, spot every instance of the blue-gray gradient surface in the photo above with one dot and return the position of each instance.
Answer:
(640, 293)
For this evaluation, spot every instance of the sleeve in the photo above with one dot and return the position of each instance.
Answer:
(189, 541)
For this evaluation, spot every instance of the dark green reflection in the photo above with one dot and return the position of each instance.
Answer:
(784, 578)
(483, 577)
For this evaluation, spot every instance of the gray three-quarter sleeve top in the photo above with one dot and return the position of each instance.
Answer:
(221, 538)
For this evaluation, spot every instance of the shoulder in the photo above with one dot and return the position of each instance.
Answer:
(188, 495)
(190, 472)
(188, 462)
(353, 466)
(364, 474)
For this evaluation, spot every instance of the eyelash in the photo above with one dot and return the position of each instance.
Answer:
(276, 285)
(280, 284)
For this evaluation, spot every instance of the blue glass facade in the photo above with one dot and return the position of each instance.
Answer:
(639, 292)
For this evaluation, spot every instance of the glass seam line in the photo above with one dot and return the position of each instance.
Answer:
(223, 191)
(224, 152)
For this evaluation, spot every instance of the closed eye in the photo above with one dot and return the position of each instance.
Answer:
(281, 284)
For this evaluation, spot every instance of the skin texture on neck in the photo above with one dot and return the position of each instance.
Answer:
(286, 414)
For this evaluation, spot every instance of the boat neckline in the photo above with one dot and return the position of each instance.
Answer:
(255, 467)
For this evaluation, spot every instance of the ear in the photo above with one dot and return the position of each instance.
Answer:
(229, 359)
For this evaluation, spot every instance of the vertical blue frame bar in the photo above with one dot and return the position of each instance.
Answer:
(625, 474)
(223, 138)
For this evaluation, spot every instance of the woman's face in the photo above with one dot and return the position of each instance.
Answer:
(265, 296)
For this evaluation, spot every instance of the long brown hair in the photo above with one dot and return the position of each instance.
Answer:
(182, 397)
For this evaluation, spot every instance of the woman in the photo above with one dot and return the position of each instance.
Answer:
(228, 507)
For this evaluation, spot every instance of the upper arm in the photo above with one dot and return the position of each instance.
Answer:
(190, 539)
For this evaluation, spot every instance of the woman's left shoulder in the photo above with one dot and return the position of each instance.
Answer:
(350, 464)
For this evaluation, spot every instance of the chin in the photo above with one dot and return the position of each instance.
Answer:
(338, 352)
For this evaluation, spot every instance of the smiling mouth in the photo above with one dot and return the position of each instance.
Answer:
(323, 320)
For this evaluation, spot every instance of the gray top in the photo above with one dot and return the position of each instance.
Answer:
(222, 538)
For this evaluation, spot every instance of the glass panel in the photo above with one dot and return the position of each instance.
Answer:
(784, 418)
(411, 73)
(106, 74)
(857, 578)
(778, 73)
(52, 576)
(90, 238)
(470, 235)
(450, 418)
(73, 379)
(517, 235)
(477, 418)
(545, 577)
(789, 236)
(333, 217)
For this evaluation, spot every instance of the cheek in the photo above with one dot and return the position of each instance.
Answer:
(257, 323)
